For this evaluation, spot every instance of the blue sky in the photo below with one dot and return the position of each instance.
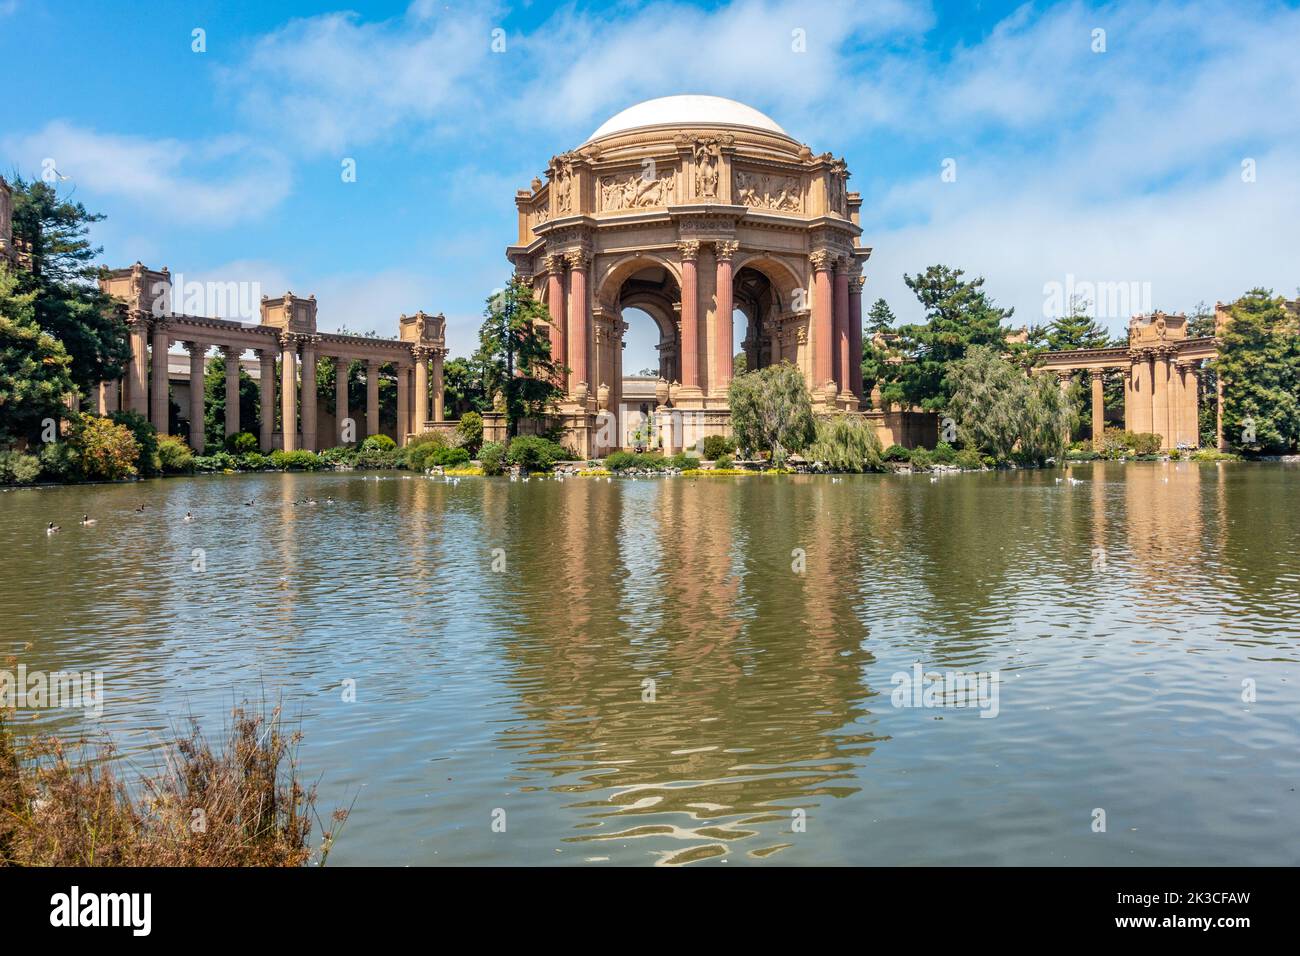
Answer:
(1116, 166)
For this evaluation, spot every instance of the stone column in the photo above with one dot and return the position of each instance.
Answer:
(198, 355)
(1176, 403)
(856, 282)
(579, 321)
(1160, 398)
(555, 306)
(1063, 382)
(690, 354)
(231, 353)
(1143, 389)
(840, 320)
(404, 403)
(266, 397)
(823, 332)
(421, 387)
(724, 347)
(1098, 377)
(372, 397)
(1192, 403)
(137, 382)
(1218, 411)
(341, 397)
(1130, 395)
(158, 400)
(439, 354)
(288, 392)
(308, 402)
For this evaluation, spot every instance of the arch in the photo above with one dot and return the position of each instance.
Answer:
(784, 278)
(609, 281)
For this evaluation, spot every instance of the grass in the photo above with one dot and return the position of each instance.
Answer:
(239, 805)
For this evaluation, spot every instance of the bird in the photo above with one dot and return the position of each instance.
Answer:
(87, 521)
(51, 528)
(140, 509)
(189, 516)
(249, 502)
(933, 479)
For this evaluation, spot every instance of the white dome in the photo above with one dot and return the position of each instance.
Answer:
(687, 110)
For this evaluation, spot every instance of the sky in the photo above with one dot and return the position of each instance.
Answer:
(1152, 147)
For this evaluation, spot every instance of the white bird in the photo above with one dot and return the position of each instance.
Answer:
(188, 516)
(51, 528)
(87, 521)
(933, 479)
(1059, 480)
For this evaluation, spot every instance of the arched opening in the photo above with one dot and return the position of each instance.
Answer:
(755, 321)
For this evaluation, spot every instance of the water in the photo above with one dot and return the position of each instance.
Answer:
(1122, 615)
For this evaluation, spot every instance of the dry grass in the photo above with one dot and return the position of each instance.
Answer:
(240, 805)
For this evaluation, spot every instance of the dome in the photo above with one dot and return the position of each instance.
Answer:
(689, 110)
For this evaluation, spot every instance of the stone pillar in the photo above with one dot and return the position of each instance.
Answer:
(439, 355)
(1176, 403)
(421, 388)
(266, 397)
(724, 347)
(231, 354)
(555, 306)
(579, 320)
(404, 403)
(1130, 395)
(690, 354)
(372, 397)
(198, 355)
(341, 413)
(158, 400)
(1098, 377)
(1063, 382)
(1192, 403)
(308, 402)
(1218, 411)
(1143, 389)
(1160, 398)
(856, 281)
(137, 382)
(823, 332)
(840, 320)
(288, 393)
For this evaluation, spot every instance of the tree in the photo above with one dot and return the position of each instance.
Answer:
(515, 353)
(771, 410)
(1078, 330)
(959, 315)
(61, 271)
(462, 387)
(845, 443)
(34, 368)
(214, 403)
(1259, 362)
(999, 408)
(880, 318)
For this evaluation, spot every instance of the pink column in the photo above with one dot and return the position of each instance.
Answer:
(579, 323)
(555, 305)
(823, 354)
(308, 402)
(855, 336)
(198, 353)
(231, 354)
(723, 344)
(341, 366)
(266, 403)
(421, 388)
(159, 403)
(438, 355)
(137, 380)
(690, 345)
(288, 393)
(842, 356)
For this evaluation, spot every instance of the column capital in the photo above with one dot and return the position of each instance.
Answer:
(266, 354)
(308, 341)
(822, 260)
(288, 341)
(422, 352)
(724, 249)
(1096, 374)
(554, 262)
(689, 249)
(373, 364)
(159, 324)
(578, 258)
(232, 351)
(195, 348)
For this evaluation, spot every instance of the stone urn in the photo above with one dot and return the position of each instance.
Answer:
(661, 392)
(580, 393)
(602, 397)
(673, 389)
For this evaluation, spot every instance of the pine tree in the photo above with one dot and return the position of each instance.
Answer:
(1259, 362)
(515, 353)
(34, 368)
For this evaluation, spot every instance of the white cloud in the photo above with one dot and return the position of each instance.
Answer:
(218, 182)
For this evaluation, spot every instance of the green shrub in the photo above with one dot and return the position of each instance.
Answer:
(146, 440)
(649, 461)
(241, 442)
(723, 462)
(1209, 454)
(1146, 443)
(535, 453)
(108, 449)
(715, 446)
(254, 461)
(378, 443)
(60, 461)
(19, 469)
(968, 459)
(943, 453)
(416, 454)
(492, 457)
(471, 431)
(175, 456)
(921, 459)
(339, 455)
(896, 453)
(449, 457)
(289, 460)
(845, 443)
(683, 462)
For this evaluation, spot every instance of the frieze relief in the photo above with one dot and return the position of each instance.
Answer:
(636, 190)
(769, 191)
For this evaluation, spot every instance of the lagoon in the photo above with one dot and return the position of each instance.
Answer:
(1141, 627)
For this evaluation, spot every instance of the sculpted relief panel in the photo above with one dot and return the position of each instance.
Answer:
(636, 189)
(769, 191)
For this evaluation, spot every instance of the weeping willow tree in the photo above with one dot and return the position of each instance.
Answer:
(771, 411)
(999, 409)
(845, 443)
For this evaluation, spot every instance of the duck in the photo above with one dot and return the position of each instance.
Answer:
(189, 516)
(51, 528)
(249, 502)
(87, 521)
(140, 509)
